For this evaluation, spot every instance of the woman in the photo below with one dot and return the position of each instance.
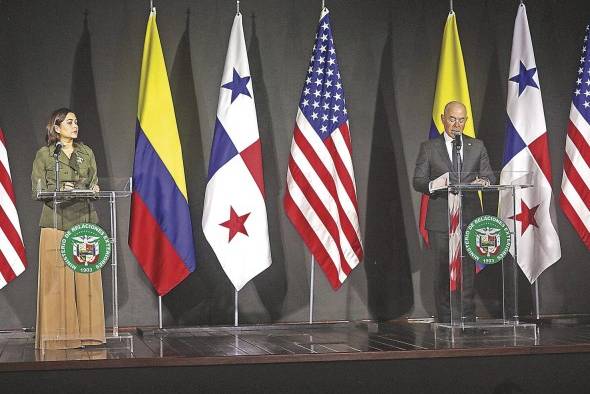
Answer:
(70, 309)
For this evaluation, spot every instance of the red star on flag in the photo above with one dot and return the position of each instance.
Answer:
(526, 216)
(235, 224)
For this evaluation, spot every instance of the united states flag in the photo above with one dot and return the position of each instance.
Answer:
(321, 197)
(13, 260)
(575, 184)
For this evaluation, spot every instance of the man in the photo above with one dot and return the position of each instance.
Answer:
(437, 157)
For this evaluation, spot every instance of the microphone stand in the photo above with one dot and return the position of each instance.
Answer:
(457, 145)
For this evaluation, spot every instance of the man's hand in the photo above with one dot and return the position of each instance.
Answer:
(481, 181)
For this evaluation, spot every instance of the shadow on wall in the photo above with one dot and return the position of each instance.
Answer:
(206, 296)
(386, 262)
(84, 103)
(271, 284)
(23, 138)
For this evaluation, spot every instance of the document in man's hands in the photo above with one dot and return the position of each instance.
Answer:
(440, 183)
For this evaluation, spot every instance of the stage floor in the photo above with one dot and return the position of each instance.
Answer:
(285, 343)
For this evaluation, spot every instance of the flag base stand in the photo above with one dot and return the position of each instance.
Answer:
(158, 332)
(446, 334)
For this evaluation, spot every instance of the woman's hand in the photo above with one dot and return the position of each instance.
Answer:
(95, 188)
(67, 186)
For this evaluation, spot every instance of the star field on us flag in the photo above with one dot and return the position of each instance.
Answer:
(581, 97)
(322, 101)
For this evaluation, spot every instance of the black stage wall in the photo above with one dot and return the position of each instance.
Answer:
(530, 374)
(87, 54)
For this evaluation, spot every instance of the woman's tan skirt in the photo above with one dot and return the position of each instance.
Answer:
(70, 309)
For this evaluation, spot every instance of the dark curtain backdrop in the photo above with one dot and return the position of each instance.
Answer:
(87, 54)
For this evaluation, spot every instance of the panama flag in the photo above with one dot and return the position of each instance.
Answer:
(234, 215)
(160, 227)
(526, 161)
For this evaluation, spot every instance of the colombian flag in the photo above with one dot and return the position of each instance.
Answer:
(160, 229)
(451, 85)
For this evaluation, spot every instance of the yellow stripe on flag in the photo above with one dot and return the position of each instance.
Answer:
(451, 84)
(155, 110)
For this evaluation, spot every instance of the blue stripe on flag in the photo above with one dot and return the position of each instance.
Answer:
(433, 131)
(513, 142)
(155, 185)
(222, 149)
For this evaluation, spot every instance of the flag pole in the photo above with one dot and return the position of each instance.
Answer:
(536, 290)
(160, 312)
(236, 306)
(238, 8)
(311, 286)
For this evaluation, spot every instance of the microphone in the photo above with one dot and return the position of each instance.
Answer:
(458, 141)
(58, 146)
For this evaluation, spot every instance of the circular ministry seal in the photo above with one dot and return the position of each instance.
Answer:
(487, 239)
(85, 248)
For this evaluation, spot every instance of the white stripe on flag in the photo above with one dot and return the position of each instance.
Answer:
(580, 123)
(313, 220)
(10, 210)
(320, 148)
(11, 255)
(576, 202)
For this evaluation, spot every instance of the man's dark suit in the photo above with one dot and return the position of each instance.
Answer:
(433, 161)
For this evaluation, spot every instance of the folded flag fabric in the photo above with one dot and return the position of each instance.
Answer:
(234, 214)
(13, 260)
(320, 199)
(575, 184)
(526, 161)
(160, 227)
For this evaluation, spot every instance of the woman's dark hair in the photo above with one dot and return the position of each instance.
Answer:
(56, 118)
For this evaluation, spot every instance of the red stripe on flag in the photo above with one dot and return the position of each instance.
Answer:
(7, 227)
(311, 240)
(153, 250)
(319, 208)
(576, 180)
(2, 139)
(330, 184)
(5, 269)
(423, 211)
(579, 141)
(7, 182)
(574, 219)
(540, 150)
(343, 174)
(346, 136)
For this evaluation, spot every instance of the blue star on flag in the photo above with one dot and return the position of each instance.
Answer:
(238, 86)
(525, 78)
